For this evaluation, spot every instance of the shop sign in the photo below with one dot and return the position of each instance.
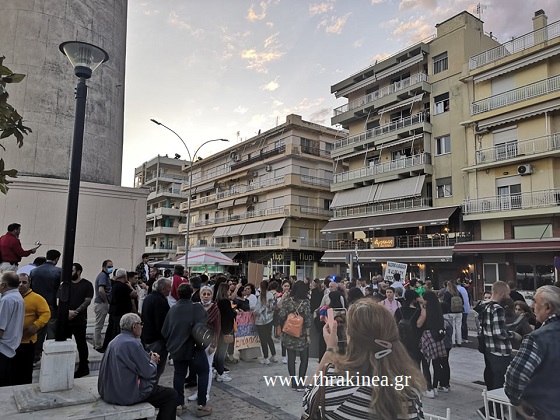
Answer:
(277, 256)
(384, 242)
(306, 256)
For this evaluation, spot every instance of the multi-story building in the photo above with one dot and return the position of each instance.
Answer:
(266, 199)
(163, 176)
(398, 175)
(513, 158)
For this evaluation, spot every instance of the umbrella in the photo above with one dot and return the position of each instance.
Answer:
(207, 258)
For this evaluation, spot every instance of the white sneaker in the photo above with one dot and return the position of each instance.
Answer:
(435, 392)
(223, 378)
(261, 360)
(274, 359)
(430, 393)
(284, 360)
(193, 397)
(266, 362)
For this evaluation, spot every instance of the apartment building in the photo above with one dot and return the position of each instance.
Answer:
(513, 158)
(398, 178)
(266, 199)
(163, 176)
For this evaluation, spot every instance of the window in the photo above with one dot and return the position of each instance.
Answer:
(509, 192)
(443, 145)
(373, 161)
(329, 147)
(444, 187)
(505, 143)
(531, 277)
(441, 103)
(304, 201)
(372, 124)
(327, 204)
(532, 231)
(440, 63)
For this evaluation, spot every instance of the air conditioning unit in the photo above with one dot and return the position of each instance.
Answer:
(268, 168)
(255, 174)
(526, 169)
(232, 155)
(236, 158)
(254, 199)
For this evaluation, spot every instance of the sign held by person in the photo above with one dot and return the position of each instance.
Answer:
(246, 337)
(395, 267)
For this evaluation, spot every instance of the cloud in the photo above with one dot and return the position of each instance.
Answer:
(177, 22)
(240, 110)
(252, 15)
(302, 107)
(380, 57)
(358, 43)
(146, 10)
(413, 30)
(320, 8)
(373, 2)
(258, 59)
(423, 4)
(333, 24)
(271, 86)
(321, 116)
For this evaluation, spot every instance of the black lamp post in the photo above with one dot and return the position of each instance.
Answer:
(85, 58)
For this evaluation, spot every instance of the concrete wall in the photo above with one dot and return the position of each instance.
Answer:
(30, 33)
(111, 221)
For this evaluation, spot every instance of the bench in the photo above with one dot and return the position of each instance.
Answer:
(434, 417)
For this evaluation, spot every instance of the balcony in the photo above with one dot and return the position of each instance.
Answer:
(516, 45)
(159, 249)
(160, 230)
(262, 156)
(209, 174)
(385, 132)
(284, 242)
(163, 211)
(315, 151)
(165, 192)
(523, 201)
(524, 93)
(165, 177)
(394, 166)
(403, 241)
(386, 207)
(519, 149)
(362, 102)
(312, 180)
(318, 211)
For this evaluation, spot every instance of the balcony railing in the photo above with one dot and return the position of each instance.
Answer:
(319, 211)
(285, 210)
(389, 206)
(166, 176)
(515, 149)
(278, 241)
(381, 130)
(316, 151)
(404, 241)
(394, 165)
(522, 201)
(262, 156)
(321, 182)
(378, 94)
(515, 45)
(524, 93)
(209, 174)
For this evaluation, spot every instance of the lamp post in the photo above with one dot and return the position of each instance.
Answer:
(191, 160)
(85, 58)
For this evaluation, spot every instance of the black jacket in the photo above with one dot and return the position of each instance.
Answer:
(154, 311)
(178, 325)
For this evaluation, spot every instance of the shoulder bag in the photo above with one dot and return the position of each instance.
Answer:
(294, 323)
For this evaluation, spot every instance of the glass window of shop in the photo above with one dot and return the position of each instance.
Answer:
(531, 277)
(304, 269)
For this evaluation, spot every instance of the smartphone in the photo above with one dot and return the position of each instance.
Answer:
(38, 244)
(338, 314)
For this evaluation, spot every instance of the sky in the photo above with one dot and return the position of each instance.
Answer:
(229, 68)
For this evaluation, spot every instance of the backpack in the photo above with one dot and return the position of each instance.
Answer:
(406, 330)
(456, 304)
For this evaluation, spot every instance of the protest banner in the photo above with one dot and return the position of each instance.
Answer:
(395, 267)
(246, 336)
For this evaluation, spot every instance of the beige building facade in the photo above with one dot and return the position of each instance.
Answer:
(398, 178)
(513, 159)
(266, 199)
(163, 177)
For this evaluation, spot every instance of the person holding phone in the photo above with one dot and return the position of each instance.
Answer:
(11, 251)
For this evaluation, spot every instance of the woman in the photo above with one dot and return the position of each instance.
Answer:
(214, 323)
(297, 302)
(354, 294)
(432, 345)
(521, 308)
(241, 302)
(373, 349)
(452, 294)
(264, 316)
(280, 298)
(407, 316)
(227, 316)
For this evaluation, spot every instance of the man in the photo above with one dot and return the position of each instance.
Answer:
(37, 314)
(532, 379)
(11, 251)
(143, 269)
(396, 281)
(153, 315)
(177, 330)
(101, 302)
(390, 302)
(195, 283)
(81, 294)
(333, 287)
(121, 302)
(152, 278)
(135, 381)
(466, 310)
(12, 312)
(26, 269)
(178, 279)
(45, 280)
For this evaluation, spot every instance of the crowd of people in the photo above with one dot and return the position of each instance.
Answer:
(381, 327)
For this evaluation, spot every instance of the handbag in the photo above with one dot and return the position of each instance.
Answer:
(202, 335)
(294, 323)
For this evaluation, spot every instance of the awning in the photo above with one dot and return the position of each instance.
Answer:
(273, 225)
(354, 197)
(408, 255)
(220, 232)
(402, 188)
(429, 217)
(225, 204)
(230, 255)
(489, 247)
(402, 141)
(239, 201)
(205, 187)
(401, 104)
(519, 114)
(235, 230)
(252, 228)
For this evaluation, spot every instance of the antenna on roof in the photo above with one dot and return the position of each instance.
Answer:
(480, 8)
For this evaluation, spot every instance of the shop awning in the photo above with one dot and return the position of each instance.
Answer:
(205, 187)
(429, 217)
(354, 197)
(408, 255)
(231, 255)
(519, 245)
(402, 188)
(519, 114)
(235, 230)
(225, 204)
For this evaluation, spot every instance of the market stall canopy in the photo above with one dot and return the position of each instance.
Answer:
(197, 258)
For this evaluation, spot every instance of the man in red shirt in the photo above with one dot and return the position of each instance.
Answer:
(177, 280)
(11, 251)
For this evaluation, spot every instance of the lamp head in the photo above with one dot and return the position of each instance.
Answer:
(155, 122)
(84, 57)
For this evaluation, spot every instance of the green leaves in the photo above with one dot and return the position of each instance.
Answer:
(11, 123)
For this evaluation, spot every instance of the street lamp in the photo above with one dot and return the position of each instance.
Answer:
(85, 58)
(191, 160)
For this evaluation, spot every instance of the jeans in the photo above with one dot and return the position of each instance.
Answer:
(210, 358)
(79, 333)
(265, 335)
(497, 368)
(164, 398)
(456, 319)
(464, 327)
(220, 356)
(426, 372)
(22, 364)
(199, 365)
(101, 310)
(303, 362)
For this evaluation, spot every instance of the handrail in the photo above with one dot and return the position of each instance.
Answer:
(514, 148)
(520, 201)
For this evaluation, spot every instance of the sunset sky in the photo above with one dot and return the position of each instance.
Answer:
(229, 68)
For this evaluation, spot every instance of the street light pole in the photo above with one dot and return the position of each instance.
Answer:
(85, 58)
(191, 160)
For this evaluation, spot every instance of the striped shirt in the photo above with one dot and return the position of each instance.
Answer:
(349, 402)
